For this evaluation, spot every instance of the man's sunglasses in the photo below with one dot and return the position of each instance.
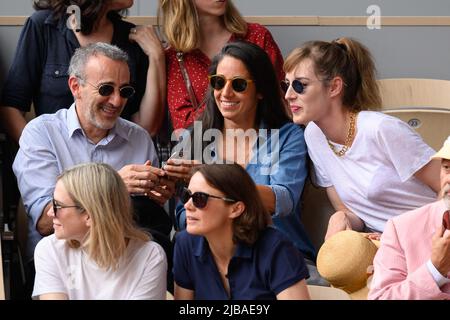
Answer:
(296, 85)
(200, 199)
(106, 90)
(57, 206)
(238, 84)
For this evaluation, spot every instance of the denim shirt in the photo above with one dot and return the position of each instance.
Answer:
(280, 165)
(39, 71)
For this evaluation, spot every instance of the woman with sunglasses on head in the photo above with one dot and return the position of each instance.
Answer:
(96, 252)
(228, 251)
(245, 99)
(373, 166)
(48, 40)
(195, 31)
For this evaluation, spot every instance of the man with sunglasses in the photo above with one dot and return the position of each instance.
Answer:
(91, 131)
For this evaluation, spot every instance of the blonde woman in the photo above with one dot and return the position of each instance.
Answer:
(96, 252)
(195, 30)
(374, 166)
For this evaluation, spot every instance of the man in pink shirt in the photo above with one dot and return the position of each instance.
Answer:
(413, 261)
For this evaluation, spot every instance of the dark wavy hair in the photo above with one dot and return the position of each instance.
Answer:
(236, 183)
(91, 10)
(271, 107)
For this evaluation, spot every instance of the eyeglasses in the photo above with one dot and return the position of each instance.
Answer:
(106, 89)
(200, 199)
(57, 206)
(238, 84)
(297, 85)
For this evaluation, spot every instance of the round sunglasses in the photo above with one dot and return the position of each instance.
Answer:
(238, 84)
(200, 199)
(107, 89)
(297, 85)
(57, 206)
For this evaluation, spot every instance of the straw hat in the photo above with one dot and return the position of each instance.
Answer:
(444, 153)
(345, 260)
(363, 293)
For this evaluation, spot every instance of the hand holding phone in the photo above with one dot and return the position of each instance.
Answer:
(178, 167)
(175, 155)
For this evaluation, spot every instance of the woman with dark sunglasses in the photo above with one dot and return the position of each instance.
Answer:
(195, 31)
(96, 252)
(228, 250)
(373, 166)
(245, 98)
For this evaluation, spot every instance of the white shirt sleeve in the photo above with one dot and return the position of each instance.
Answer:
(437, 276)
(48, 279)
(404, 147)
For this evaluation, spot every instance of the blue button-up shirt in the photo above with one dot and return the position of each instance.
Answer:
(52, 143)
(279, 162)
(260, 271)
(286, 179)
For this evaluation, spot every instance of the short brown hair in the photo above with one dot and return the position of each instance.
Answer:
(236, 183)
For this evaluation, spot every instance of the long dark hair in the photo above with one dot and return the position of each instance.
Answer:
(236, 183)
(90, 10)
(271, 108)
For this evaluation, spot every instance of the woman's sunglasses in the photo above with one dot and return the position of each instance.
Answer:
(238, 84)
(200, 199)
(57, 206)
(296, 85)
(106, 90)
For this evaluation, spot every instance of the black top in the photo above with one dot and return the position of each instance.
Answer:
(39, 74)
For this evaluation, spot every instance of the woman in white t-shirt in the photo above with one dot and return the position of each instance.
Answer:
(373, 166)
(96, 252)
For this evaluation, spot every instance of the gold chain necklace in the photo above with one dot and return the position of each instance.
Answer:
(348, 140)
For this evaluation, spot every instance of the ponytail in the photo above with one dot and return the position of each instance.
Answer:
(368, 94)
(348, 59)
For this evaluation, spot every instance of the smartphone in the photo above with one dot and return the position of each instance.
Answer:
(175, 155)
(446, 220)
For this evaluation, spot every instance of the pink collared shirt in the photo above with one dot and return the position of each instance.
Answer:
(400, 265)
